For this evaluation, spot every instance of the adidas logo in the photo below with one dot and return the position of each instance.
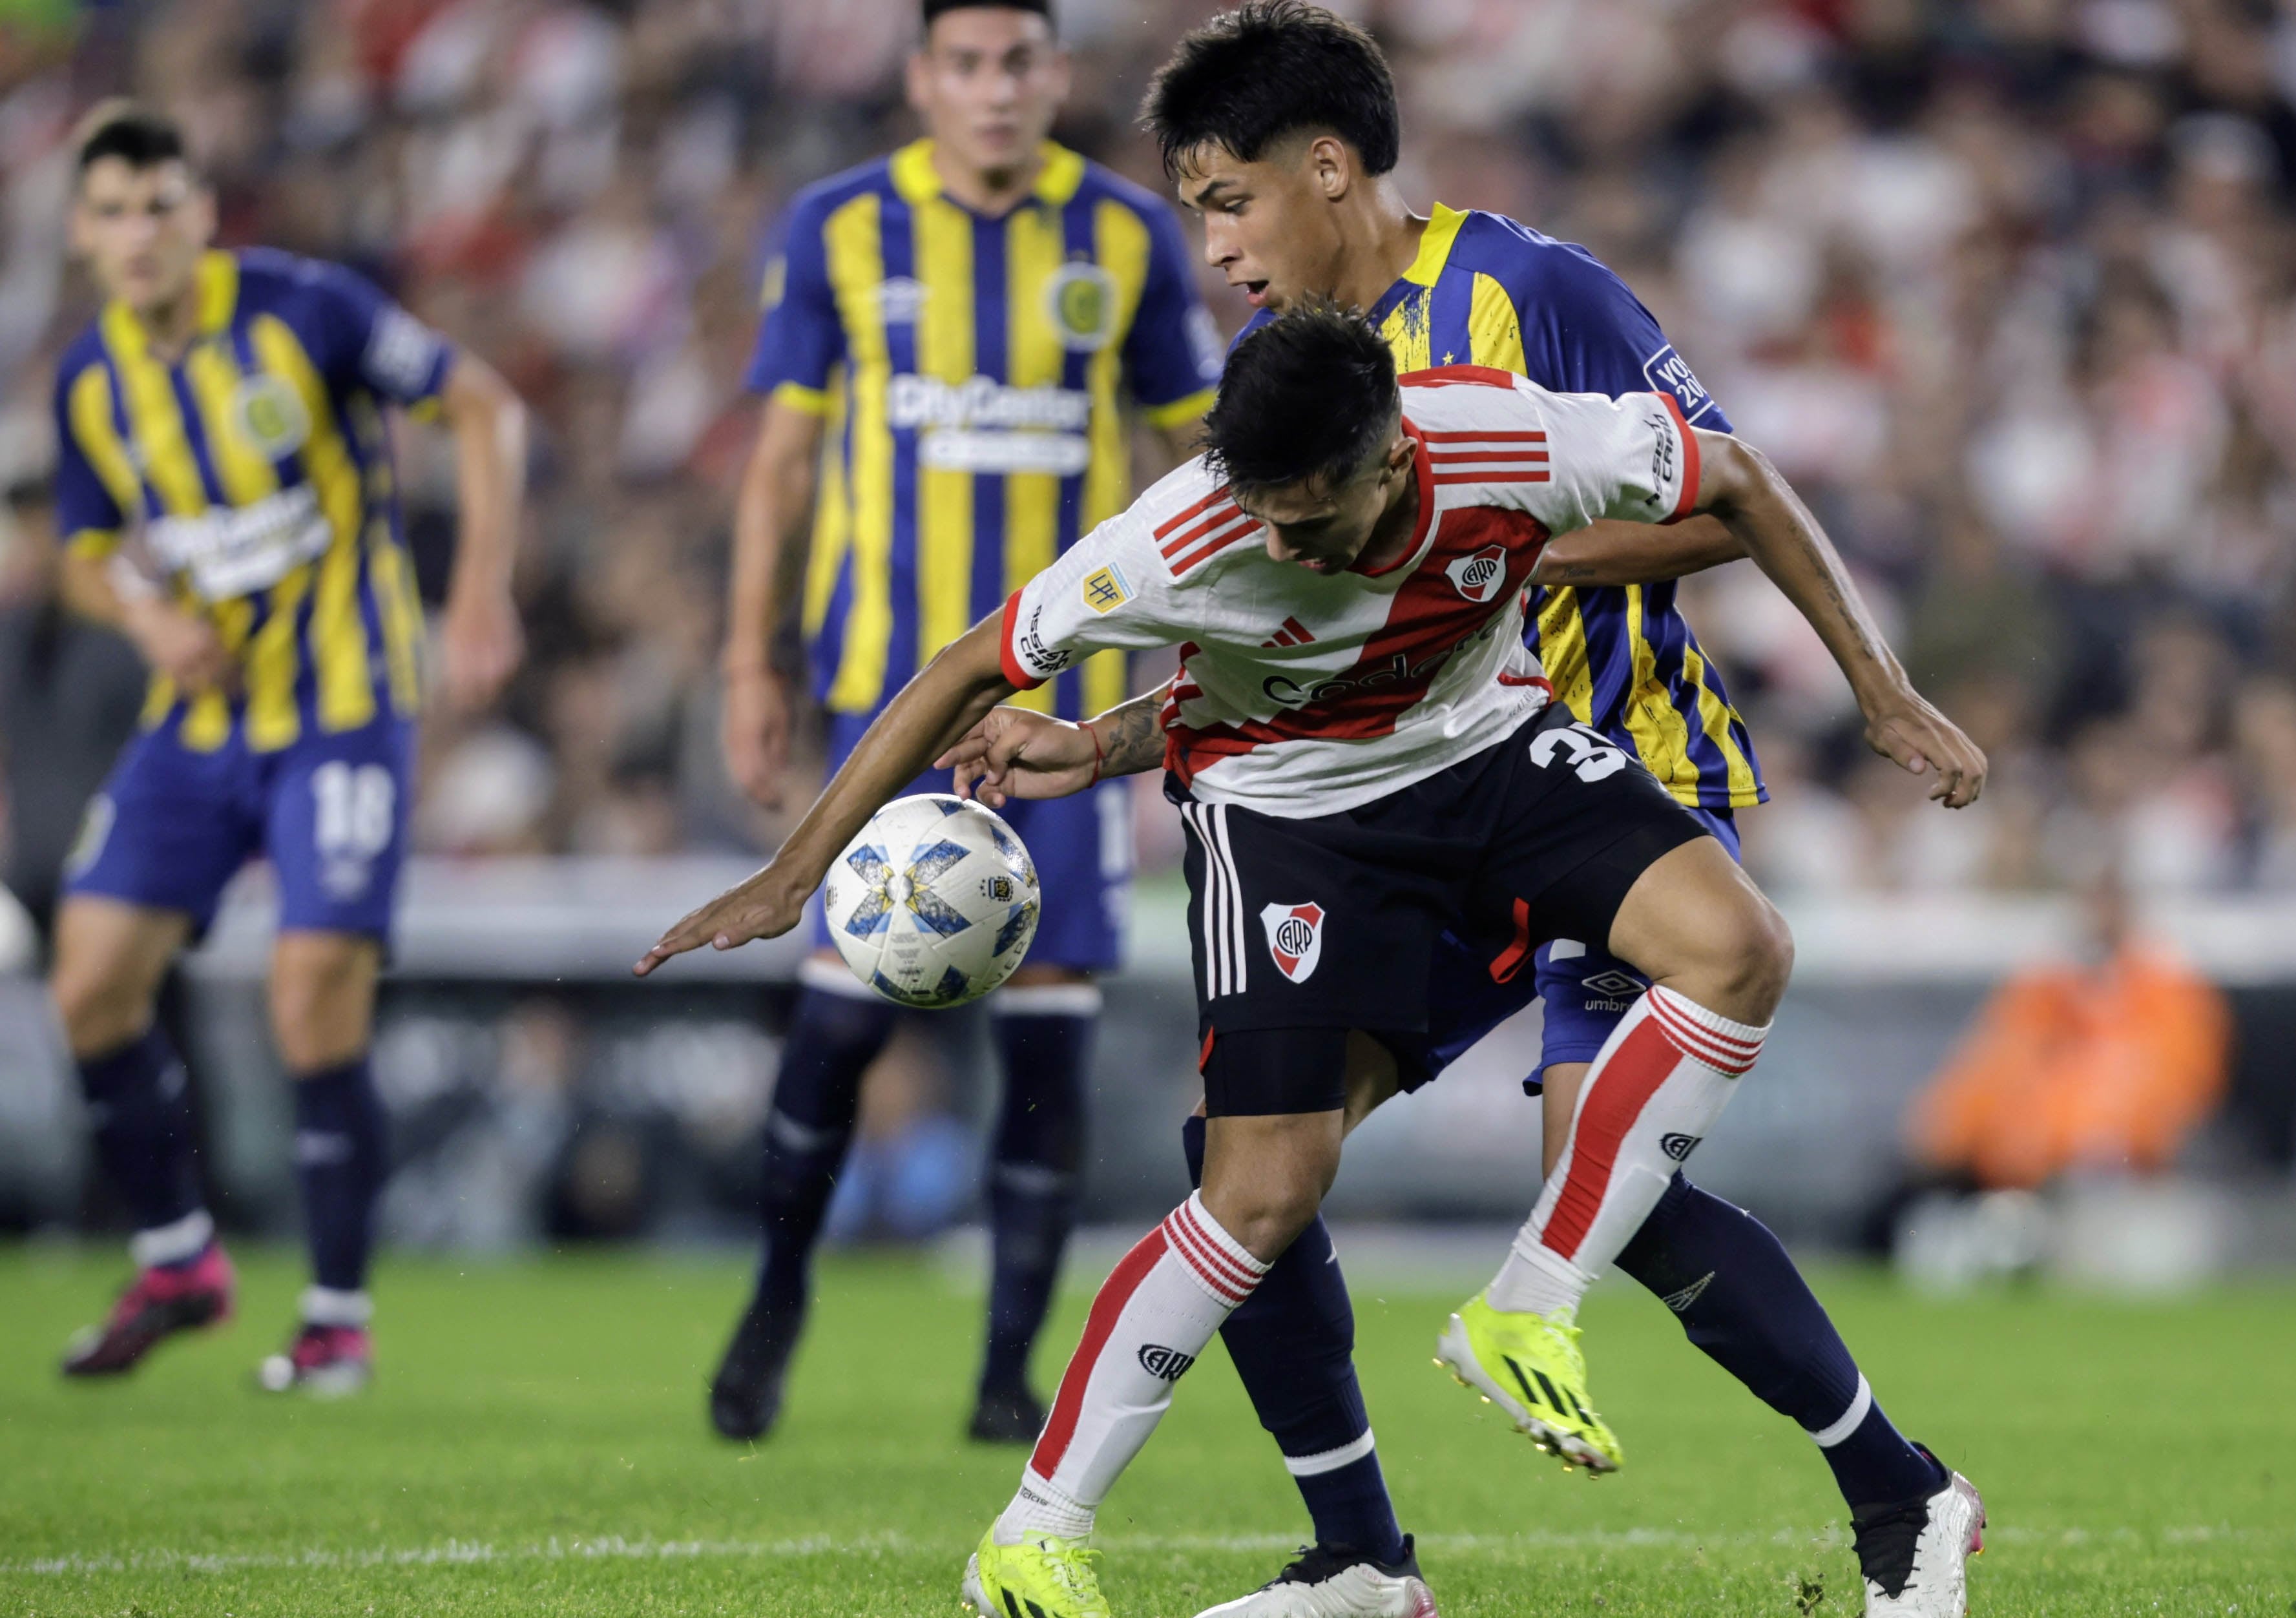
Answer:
(1572, 1411)
(1167, 1364)
(1679, 1147)
(1293, 633)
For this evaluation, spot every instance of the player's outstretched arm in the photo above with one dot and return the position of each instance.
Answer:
(480, 642)
(1616, 553)
(1018, 753)
(1738, 484)
(946, 699)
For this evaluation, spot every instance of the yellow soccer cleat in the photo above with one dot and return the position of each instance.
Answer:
(1044, 1576)
(1530, 1366)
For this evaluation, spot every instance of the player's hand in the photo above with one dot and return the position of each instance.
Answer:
(181, 646)
(480, 645)
(1016, 752)
(762, 906)
(1906, 729)
(754, 730)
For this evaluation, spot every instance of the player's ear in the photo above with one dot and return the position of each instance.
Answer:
(200, 205)
(1331, 166)
(916, 76)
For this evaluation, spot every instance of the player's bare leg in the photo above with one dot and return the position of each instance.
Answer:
(110, 956)
(322, 988)
(1717, 956)
(109, 959)
(1263, 1177)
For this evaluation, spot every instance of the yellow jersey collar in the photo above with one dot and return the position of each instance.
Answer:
(915, 180)
(1435, 245)
(215, 283)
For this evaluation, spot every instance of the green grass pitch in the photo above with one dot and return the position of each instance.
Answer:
(535, 1443)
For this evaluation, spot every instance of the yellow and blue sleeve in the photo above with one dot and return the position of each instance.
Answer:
(800, 340)
(361, 339)
(93, 472)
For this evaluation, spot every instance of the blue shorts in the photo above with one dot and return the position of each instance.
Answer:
(1586, 990)
(172, 826)
(1082, 847)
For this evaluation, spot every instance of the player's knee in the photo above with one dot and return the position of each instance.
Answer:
(1749, 958)
(100, 1011)
(1766, 957)
(1265, 1218)
(322, 1002)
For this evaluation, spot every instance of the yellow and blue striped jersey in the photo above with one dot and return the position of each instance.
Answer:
(1486, 290)
(973, 373)
(252, 473)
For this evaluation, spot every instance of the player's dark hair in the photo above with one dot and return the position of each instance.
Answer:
(135, 135)
(935, 8)
(1309, 395)
(1270, 69)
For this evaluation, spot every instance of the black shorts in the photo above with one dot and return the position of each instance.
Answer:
(1331, 921)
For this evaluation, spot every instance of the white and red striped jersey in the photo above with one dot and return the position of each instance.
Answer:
(1302, 693)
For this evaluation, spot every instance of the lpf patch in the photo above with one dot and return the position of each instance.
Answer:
(1479, 576)
(270, 414)
(1105, 589)
(1080, 297)
(1295, 939)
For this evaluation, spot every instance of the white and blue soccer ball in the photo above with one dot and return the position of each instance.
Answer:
(935, 902)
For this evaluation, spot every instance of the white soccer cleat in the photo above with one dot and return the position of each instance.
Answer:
(1338, 1581)
(1916, 1559)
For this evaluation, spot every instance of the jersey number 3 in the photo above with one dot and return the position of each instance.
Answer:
(1590, 754)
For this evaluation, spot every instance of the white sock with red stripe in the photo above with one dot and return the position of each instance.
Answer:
(1658, 1083)
(1157, 1308)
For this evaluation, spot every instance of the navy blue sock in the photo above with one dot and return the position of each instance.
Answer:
(1293, 1344)
(1045, 1036)
(831, 1040)
(142, 1116)
(1741, 1299)
(341, 1159)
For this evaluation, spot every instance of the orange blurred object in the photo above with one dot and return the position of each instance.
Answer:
(2108, 1066)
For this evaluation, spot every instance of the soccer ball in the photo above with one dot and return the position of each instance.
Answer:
(934, 904)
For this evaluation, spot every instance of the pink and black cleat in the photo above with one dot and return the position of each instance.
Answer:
(327, 1362)
(161, 1300)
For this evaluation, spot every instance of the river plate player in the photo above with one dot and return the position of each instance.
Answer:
(1364, 753)
(223, 486)
(1278, 124)
(951, 337)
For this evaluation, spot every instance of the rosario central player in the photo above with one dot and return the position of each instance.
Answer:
(224, 485)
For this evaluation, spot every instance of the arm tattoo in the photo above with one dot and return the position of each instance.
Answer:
(1133, 739)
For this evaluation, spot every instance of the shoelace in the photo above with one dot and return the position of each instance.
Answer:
(142, 1293)
(1888, 1546)
(1315, 1564)
(1072, 1566)
(314, 1347)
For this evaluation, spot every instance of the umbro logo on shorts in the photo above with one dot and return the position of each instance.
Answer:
(1679, 1147)
(1617, 986)
(1167, 1364)
(1295, 939)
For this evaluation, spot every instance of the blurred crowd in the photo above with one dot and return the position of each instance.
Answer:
(2006, 287)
